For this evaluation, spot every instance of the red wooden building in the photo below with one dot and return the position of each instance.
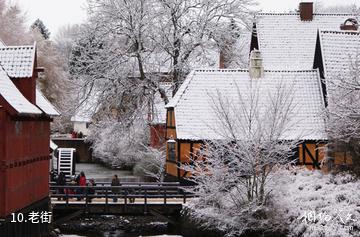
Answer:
(25, 117)
(157, 117)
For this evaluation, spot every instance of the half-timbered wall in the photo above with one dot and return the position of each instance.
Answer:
(311, 154)
(342, 158)
(183, 149)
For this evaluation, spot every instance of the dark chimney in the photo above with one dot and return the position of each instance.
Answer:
(350, 24)
(306, 11)
(222, 60)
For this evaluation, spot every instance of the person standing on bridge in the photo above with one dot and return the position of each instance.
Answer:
(91, 189)
(61, 181)
(81, 181)
(115, 182)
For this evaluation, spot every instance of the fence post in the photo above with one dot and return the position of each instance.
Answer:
(184, 196)
(125, 200)
(106, 199)
(86, 199)
(164, 196)
(145, 202)
(67, 198)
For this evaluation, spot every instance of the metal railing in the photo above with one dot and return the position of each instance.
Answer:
(103, 191)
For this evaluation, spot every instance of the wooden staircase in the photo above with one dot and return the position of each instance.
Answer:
(66, 161)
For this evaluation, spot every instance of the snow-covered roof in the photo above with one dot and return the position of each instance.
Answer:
(339, 49)
(196, 118)
(53, 146)
(18, 61)
(288, 43)
(45, 105)
(14, 97)
(159, 110)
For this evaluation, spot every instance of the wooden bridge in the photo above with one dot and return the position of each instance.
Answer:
(132, 198)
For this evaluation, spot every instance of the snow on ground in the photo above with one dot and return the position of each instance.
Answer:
(314, 204)
(103, 174)
(303, 203)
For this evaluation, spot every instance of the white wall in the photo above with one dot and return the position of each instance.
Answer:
(81, 127)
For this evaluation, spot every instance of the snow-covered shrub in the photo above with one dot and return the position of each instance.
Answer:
(151, 164)
(343, 112)
(117, 143)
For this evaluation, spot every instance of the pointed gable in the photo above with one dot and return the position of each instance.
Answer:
(13, 97)
(21, 96)
(339, 50)
(287, 42)
(18, 61)
(337, 53)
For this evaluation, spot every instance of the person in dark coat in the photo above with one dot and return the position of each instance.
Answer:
(115, 182)
(61, 181)
(91, 190)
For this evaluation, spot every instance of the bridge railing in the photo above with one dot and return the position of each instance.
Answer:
(125, 192)
(130, 183)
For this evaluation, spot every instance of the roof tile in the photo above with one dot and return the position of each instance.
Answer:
(286, 42)
(17, 61)
(14, 97)
(196, 118)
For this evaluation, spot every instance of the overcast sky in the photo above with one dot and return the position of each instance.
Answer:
(56, 13)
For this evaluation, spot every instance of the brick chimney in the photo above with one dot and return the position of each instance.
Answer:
(350, 24)
(221, 60)
(306, 11)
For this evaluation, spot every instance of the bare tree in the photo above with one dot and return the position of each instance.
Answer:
(320, 7)
(12, 24)
(185, 26)
(128, 47)
(151, 37)
(232, 173)
(343, 112)
(54, 82)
